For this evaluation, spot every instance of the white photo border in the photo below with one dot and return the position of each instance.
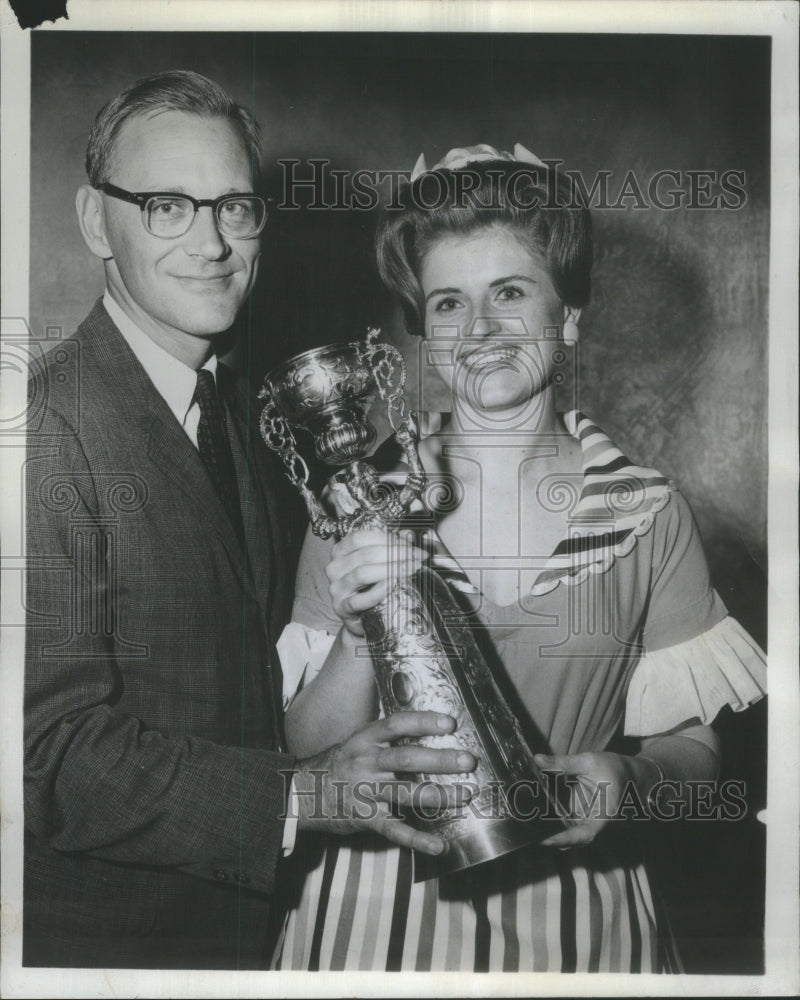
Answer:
(777, 19)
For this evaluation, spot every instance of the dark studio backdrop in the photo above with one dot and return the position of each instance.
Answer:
(672, 359)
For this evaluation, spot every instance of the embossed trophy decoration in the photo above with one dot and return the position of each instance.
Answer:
(423, 651)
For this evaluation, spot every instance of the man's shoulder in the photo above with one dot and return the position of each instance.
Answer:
(63, 379)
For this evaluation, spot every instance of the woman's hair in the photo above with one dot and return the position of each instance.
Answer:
(175, 90)
(538, 203)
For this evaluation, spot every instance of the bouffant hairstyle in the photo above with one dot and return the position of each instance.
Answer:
(535, 201)
(175, 90)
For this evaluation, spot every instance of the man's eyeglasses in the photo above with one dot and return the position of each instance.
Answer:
(168, 215)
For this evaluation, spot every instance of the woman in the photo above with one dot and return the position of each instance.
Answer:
(591, 594)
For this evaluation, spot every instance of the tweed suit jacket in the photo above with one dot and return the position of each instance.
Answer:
(154, 790)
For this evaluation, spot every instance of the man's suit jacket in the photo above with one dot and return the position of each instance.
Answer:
(153, 786)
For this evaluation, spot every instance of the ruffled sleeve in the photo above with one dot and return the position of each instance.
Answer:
(694, 680)
(306, 641)
(302, 651)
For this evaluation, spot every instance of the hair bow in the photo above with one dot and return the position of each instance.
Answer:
(461, 157)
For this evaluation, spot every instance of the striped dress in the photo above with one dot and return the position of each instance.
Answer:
(620, 627)
(558, 911)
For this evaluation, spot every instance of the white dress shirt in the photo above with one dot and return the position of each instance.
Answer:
(175, 381)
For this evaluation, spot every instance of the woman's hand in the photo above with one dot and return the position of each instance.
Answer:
(363, 568)
(603, 781)
(597, 786)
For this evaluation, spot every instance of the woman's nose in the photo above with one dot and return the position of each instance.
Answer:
(483, 326)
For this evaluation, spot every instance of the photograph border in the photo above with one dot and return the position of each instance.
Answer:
(717, 17)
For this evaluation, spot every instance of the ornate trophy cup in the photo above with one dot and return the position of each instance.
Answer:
(423, 651)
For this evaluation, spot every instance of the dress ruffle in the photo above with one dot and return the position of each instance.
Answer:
(601, 565)
(694, 680)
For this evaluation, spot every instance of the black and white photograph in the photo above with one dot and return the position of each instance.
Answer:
(399, 500)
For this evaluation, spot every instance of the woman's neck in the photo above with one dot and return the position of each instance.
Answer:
(504, 456)
(536, 420)
(497, 474)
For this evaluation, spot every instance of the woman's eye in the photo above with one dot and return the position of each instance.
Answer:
(446, 305)
(508, 293)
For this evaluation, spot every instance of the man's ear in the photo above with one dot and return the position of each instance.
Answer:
(570, 329)
(92, 221)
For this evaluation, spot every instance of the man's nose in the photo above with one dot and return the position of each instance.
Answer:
(204, 238)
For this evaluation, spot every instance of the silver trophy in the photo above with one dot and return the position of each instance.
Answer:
(422, 648)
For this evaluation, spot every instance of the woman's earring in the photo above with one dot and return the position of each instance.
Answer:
(570, 329)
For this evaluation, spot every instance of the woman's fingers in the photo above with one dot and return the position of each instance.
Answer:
(576, 836)
(368, 583)
(373, 565)
(568, 763)
(351, 604)
(359, 578)
(595, 784)
(358, 539)
(341, 565)
(375, 549)
(364, 566)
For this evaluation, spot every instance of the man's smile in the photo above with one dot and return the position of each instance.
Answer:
(204, 279)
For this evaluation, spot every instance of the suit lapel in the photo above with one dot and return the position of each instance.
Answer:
(136, 400)
(132, 399)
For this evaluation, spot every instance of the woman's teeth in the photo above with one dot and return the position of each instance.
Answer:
(489, 355)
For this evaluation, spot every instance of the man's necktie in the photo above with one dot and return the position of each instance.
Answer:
(215, 449)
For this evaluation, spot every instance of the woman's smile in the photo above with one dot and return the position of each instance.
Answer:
(482, 357)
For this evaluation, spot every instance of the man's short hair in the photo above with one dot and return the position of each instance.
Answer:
(175, 90)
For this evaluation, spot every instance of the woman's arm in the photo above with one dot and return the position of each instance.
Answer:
(343, 696)
(690, 754)
(610, 780)
(341, 699)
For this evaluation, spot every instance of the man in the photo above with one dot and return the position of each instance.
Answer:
(158, 578)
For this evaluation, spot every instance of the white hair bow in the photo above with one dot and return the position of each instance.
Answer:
(458, 158)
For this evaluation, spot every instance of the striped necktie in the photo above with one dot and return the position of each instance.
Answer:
(215, 449)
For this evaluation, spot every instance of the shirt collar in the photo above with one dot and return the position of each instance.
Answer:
(174, 381)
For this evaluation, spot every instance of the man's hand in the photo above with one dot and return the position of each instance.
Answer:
(351, 786)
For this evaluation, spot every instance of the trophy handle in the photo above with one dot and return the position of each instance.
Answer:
(277, 434)
(386, 366)
(388, 370)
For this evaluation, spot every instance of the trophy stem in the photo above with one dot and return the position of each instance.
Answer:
(426, 658)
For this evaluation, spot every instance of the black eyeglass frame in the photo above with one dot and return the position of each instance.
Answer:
(141, 198)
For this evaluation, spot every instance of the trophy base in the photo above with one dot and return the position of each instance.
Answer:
(483, 841)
